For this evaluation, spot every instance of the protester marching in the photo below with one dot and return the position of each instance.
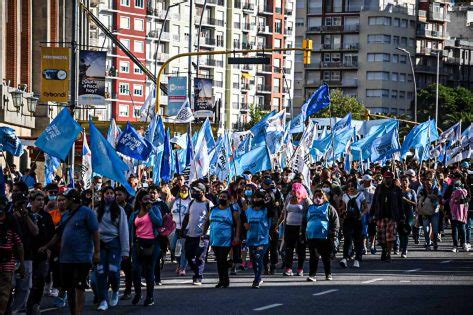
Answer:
(266, 199)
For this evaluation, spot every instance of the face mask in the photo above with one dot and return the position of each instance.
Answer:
(222, 202)
(52, 198)
(326, 190)
(319, 201)
(249, 193)
(183, 195)
(98, 187)
(195, 195)
(109, 199)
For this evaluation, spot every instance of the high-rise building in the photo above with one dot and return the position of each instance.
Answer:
(215, 25)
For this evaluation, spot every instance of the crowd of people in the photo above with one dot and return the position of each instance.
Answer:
(58, 241)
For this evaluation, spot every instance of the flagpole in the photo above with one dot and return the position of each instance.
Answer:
(423, 151)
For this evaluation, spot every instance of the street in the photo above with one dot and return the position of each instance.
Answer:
(424, 283)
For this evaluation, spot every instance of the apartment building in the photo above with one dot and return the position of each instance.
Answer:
(222, 25)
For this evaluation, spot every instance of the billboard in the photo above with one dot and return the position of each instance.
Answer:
(92, 77)
(54, 74)
(203, 98)
(177, 94)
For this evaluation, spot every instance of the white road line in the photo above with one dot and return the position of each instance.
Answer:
(267, 307)
(412, 270)
(325, 292)
(185, 282)
(373, 280)
(405, 281)
(445, 261)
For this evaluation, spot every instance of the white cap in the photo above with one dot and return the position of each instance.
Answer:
(367, 177)
(410, 172)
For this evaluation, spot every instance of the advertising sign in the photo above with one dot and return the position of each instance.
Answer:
(177, 94)
(92, 77)
(203, 98)
(54, 74)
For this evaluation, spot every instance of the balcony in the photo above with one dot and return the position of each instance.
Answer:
(422, 16)
(248, 6)
(244, 107)
(265, 9)
(207, 41)
(246, 45)
(429, 33)
(287, 70)
(236, 44)
(349, 28)
(247, 67)
(237, 4)
(160, 14)
(210, 62)
(218, 83)
(352, 46)
(155, 35)
(248, 26)
(244, 87)
(210, 2)
(337, 64)
(439, 16)
(288, 11)
(210, 21)
(162, 57)
(261, 88)
(264, 69)
(264, 46)
(265, 29)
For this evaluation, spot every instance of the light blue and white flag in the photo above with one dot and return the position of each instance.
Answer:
(86, 170)
(148, 108)
(385, 145)
(113, 133)
(134, 145)
(420, 136)
(256, 160)
(342, 125)
(57, 139)
(166, 160)
(10, 142)
(319, 100)
(296, 125)
(51, 164)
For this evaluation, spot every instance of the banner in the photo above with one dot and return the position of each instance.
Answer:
(203, 99)
(54, 74)
(92, 77)
(177, 94)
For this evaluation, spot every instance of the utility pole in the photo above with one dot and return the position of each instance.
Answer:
(189, 59)
(74, 85)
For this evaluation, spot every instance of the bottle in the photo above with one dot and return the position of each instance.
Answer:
(178, 250)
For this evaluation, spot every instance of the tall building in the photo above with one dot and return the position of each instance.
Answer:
(356, 50)
(222, 25)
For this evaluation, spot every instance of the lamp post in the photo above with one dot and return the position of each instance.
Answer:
(437, 52)
(413, 79)
(17, 98)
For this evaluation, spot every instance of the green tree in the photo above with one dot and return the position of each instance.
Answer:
(256, 114)
(455, 104)
(342, 105)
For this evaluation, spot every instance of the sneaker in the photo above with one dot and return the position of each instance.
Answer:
(396, 252)
(60, 302)
(233, 271)
(256, 284)
(373, 250)
(300, 272)
(454, 249)
(404, 255)
(416, 241)
(148, 302)
(365, 250)
(126, 296)
(219, 285)
(159, 283)
(287, 272)
(436, 247)
(311, 279)
(466, 247)
(356, 264)
(182, 272)
(343, 263)
(197, 282)
(54, 292)
(136, 299)
(103, 306)
(114, 299)
(329, 277)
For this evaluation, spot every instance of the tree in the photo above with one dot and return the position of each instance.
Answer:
(455, 104)
(256, 114)
(342, 105)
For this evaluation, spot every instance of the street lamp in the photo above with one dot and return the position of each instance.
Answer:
(31, 103)
(437, 52)
(17, 98)
(413, 79)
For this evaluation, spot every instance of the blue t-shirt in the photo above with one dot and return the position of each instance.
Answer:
(77, 245)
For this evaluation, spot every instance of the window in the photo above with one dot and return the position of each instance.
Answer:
(402, 77)
(393, 93)
(138, 90)
(277, 43)
(136, 111)
(139, 4)
(409, 78)
(395, 58)
(402, 94)
(378, 57)
(410, 95)
(299, 21)
(125, 3)
(404, 41)
(411, 42)
(139, 25)
(125, 42)
(139, 46)
(397, 22)
(124, 88)
(379, 20)
(377, 75)
(402, 59)
(394, 76)
(125, 22)
(137, 70)
(377, 93)
(396, 40)
(404, 23)
(123, 110)
(124, 66)
(379, 39)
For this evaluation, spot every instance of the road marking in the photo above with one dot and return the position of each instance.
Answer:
(412, 270)
(267, 307)
(405, 281)
(325, 292)
(373, 280)
(185, 282)
(445, 261)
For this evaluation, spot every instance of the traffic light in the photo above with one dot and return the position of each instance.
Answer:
(307, 44)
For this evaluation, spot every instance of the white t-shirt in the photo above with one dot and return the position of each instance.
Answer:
(179, 210)
(294, 214)
(368, 192)
(359, 199)
(197, 213)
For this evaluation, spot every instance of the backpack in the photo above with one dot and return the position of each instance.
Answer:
(352, 207)
(425, 206)
(168, 225)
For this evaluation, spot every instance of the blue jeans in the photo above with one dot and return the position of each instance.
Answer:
(257, 255)
(469, 223)
(144, 265)
(428, 220)
(107, 271)
(458, 228)
(182, 259)
(196, 255)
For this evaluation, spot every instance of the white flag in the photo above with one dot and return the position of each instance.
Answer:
(147, 110)
(200, 165)
(277, 122)
(86, 164)
(184, 115)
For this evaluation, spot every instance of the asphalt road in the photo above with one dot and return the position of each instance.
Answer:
(424, 283)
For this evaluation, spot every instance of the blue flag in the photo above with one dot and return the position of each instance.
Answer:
(132, 144)
(209, 138)
(57, 139)
(257, 160)
(166, 160)
(189, 149)
(385, 145)
(342, 124)
(10, 142)
(274, 141)
(105, 160)
(319, 100)
(296, 125)
(420, 136)
(259, 131)
(362, 149)
(51, 164)
(244, 147)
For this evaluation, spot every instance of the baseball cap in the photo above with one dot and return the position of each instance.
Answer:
(410, 172)
(388, 175)
(465, 164)
(199, 187)
(367, 177)
(73, 194)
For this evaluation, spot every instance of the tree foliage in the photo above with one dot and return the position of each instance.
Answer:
(342, 105)
(256, 114)
(455, 104)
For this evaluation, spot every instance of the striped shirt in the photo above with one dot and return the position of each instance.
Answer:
(7, 243)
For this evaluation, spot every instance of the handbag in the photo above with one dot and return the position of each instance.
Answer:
(425, 206)
(168, 226)
(144, 247)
